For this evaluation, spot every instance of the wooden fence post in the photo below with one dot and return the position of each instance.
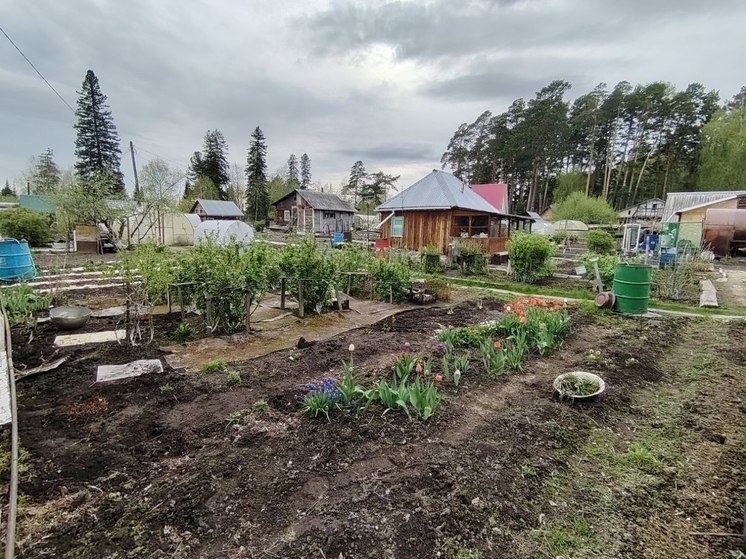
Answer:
(208, 311)
(283, 285)
(391, 294)
(301, 304)
(249, 299)
(168, 298)
(181, 302)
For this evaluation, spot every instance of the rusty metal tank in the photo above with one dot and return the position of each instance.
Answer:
(724, 230)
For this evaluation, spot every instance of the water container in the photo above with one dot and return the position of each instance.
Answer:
(338, 238)
(15, 260)
(632, 287)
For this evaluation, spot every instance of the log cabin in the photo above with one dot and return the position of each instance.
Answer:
(439, 210)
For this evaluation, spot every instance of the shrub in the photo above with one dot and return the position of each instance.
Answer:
(351, 258)
(223, 275)
(183, 332)
(473, 257)
(440, 286)
(600, 242)
(306, 262)
(156, 265)
(606, 266)
(586, 209)
(214, 366)
(677, 283)
(391, 277)
(20, 223)
(21, 302)
(233, 378)
(530, 256)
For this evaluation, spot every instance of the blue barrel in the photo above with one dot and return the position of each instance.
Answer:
(338, 238)
(15, 260)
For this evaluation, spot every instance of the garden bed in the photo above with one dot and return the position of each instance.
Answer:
(210, 469)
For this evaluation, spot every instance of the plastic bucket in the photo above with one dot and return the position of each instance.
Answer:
(632, 287)
(15, 260)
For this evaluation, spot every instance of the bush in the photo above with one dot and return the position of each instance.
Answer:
(586, 209)
(393, 272)
(351, 258)
(600, 242)
(606, 266)
(307, 262)
(530, 256)
(20, 223)
(224, 275)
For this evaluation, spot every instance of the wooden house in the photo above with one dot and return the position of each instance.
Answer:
(438, 210)
(648, 211)
(308, 211)
(216, 209)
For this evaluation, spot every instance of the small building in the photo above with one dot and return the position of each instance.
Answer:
(684, 212)
(36, 203)
(648, 211)
(216, 209)
(309, 211)
(438, 210)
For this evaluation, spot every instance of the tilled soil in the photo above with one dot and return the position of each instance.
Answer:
(131, 470)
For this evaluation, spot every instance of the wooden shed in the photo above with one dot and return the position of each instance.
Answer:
(309, 211)
(438, 210)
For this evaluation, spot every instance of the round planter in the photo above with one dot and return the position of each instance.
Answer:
(583, 376)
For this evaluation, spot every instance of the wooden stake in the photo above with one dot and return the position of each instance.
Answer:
(283, 285)
(301, 305)
(249, 299)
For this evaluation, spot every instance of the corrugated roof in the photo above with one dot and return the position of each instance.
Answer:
(325, 201)
(680, 201)
(219, 208)
(495, 193)
(438, 191)
(36, 203)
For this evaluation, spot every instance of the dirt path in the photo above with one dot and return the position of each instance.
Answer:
(732, 289)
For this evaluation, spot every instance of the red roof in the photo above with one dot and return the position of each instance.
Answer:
(496, 194)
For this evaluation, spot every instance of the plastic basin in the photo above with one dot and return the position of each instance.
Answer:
(583, 375)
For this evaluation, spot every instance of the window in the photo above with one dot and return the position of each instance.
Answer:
(397, 226)
(329, 215)
(286, 216)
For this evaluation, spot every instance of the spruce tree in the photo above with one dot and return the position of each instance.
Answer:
(46, 175)
(97, 141)
(7, 190)
(257, 195)
(357, 182)
(293, 181)
(212, 163)
(305, 171)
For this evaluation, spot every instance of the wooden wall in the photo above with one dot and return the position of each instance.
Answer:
(421, 228)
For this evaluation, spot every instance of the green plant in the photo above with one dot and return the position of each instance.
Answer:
(391, 278)
(166, 388)
(424, 398)
(24, 224)
(446, 366)
(440, 286)
(21, 302)
(472, 256)
(260, 406)
(462, 363)
(183, 332)
(600, 242)
(587, 209)
(463, 336)
(606, 266)
(306, 263)
(349, 261)
(237, 416)
(530, 256)
(233, 377)
(214, 366)
(677, 283)
(348, 388)
(515, 349)
(430, 257)
(493, 357)
(573, 385)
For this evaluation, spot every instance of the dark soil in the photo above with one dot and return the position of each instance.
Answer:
(128, 469)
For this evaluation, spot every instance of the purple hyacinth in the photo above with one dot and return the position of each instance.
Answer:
(326, 387)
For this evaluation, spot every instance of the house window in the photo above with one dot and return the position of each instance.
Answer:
(655, 205)
(397, 226)
(286, 216)
(329, 215)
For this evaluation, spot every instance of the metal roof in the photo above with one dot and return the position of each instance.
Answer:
(320, 200)
(325, 201)
(682, 201)
(438, 191)
(495, 193)
(220, 208)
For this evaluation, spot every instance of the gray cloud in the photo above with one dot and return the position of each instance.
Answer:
(384, 81)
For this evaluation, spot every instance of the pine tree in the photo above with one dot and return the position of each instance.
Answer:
(46, 175)
(356, 184)
(257, 195)
(212, 163)
(305, 171)
(293, 181)
(97, 141)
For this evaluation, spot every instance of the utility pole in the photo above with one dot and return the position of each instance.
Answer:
(134, 170)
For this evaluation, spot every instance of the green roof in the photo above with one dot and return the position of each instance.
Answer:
(35, 203)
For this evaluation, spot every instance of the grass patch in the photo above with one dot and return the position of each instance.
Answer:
(215, 366)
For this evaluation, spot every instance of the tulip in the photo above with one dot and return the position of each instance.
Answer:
(418, 368)
(438, 378)
(496, 344)
(351, 348)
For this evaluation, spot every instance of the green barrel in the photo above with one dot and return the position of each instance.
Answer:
(632, 287)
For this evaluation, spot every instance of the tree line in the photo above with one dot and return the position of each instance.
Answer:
(624, 145)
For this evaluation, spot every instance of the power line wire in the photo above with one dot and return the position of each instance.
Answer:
(37, 71)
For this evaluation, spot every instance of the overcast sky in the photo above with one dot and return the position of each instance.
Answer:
(383, 82)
